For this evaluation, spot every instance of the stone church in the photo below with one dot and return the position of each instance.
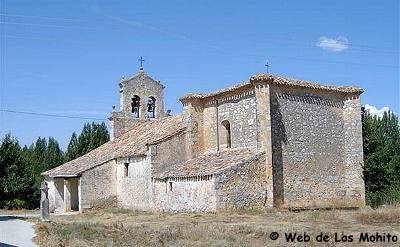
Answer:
(268, 142)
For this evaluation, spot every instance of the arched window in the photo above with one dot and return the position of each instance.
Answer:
(135, 106)
(226, 134)
(151, 107)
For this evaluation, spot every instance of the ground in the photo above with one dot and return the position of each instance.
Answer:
(14, 230)
(119, 227)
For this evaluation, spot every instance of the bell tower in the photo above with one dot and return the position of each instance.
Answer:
(141, 99)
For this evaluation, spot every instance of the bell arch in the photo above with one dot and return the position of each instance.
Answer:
(135, 104)
(151, 107)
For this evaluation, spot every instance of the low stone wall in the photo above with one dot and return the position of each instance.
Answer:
(192, 194)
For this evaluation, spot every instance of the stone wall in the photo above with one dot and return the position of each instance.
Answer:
(120, 124)
(353, 151)
(144, 87)
(193, 116)
(168, 152)
(240, 109)
(134, 190)
(210, 127)
(308, 148)
(98, 186)
(195, 194)
(242, 186)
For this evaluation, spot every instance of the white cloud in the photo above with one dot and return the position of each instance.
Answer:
(336, 45)
(375, 111)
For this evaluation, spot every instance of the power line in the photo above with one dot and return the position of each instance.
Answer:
(49, 115)
(51, 18)
(357, 47)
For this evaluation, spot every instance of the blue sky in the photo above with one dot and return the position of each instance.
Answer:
(67, 57)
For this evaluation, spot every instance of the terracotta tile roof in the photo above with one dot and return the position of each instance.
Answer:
(276, 80)
(209, 163)
(132, 143)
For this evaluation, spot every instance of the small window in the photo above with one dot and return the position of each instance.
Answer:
(126, 169)
(226, 134)
(170, 186)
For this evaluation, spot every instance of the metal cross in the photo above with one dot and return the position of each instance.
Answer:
(141, 60)
(267, 66)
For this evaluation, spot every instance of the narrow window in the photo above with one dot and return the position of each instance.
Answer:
(226, 134)
(170, 186)
(151, 107)
(126, 169)
(135, 106)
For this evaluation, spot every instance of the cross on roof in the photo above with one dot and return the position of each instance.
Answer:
(267, 66)
(141, 60)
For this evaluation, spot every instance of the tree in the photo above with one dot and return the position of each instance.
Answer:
(381, 158)
(15, 176)
(72, 149)
(92, 136)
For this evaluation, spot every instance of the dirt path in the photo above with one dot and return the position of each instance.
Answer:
(14, 231)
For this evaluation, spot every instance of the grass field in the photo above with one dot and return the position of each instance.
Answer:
(120, 227)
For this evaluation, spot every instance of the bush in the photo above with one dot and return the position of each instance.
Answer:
(16, 204)
(389, 196)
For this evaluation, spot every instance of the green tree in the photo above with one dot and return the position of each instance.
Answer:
(92, 136)
(72, 149)
(381, 158)
(15, 176)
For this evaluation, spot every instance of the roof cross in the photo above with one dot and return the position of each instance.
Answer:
(267, 66)
(141, 60)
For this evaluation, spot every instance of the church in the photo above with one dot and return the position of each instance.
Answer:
(268, 142)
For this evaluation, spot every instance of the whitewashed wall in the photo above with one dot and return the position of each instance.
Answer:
(134, 190)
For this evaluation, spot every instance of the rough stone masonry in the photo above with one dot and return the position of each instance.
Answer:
(268, 142)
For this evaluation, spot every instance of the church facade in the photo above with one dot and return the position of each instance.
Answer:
(268, 142)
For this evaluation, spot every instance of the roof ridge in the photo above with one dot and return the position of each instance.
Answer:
(277, 79)
(131, 143)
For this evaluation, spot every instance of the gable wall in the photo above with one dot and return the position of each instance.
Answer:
(144, 87)
(308, 148)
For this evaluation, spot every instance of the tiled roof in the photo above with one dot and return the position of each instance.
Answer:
(132, 143)
(276, 80)
(206, 95)
(210, 163)
(307, 84)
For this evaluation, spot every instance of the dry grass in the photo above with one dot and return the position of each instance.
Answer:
(385, 214)
(120, 227)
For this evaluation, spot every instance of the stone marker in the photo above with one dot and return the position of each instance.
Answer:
(44, 202)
